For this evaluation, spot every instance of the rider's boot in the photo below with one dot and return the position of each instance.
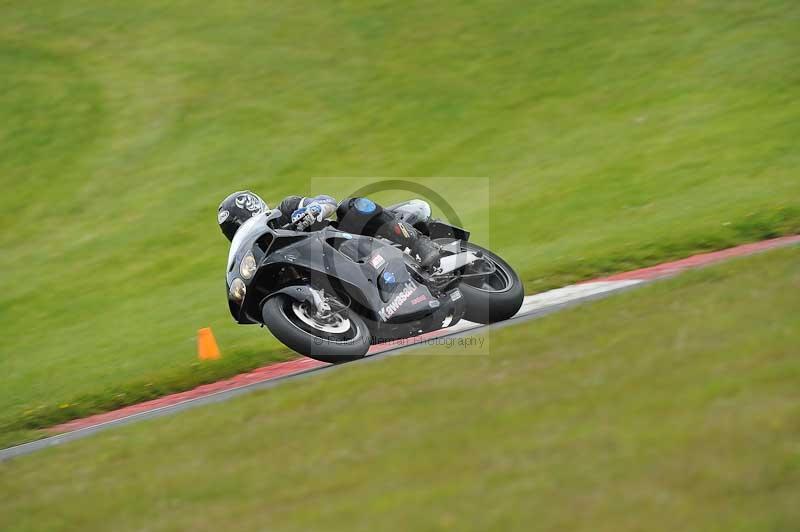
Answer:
(429, 252)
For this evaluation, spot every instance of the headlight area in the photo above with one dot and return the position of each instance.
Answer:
(238, 290)
(248, 266)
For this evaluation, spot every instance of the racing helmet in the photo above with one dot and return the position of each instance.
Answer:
(236, 209)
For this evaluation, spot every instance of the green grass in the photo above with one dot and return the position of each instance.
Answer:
(671, 407)
(614, 137)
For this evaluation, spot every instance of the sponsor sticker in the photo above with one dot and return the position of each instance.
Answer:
(222, 216)
(389, 277)
(377, 262)
(455, 295)
(418, 300)
(389, 310)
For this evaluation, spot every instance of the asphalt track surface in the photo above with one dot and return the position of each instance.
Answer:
(534, 307)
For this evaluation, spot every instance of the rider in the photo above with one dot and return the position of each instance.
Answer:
(354, 215)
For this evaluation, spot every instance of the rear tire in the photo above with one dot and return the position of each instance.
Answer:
(334, 347)
(497, 300)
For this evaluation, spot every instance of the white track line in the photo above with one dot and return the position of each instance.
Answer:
(552, 298)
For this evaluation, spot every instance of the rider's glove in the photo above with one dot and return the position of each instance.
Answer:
(320, 208)
(303, 217)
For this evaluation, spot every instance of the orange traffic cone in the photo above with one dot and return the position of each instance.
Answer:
(207, 348)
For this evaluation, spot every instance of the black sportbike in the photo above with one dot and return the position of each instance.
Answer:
(329, 295)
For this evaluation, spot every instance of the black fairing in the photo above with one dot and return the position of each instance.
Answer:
(374, 278)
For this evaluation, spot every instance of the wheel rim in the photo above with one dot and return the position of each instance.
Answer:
(501, 280)
(348, 333)
(336, 325)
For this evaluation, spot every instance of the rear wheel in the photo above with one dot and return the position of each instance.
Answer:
(491, 288)
(336, 338)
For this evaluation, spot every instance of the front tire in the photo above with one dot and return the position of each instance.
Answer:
(341, 342)
(495, 297)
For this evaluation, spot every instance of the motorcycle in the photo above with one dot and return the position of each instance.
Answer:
(329, 294)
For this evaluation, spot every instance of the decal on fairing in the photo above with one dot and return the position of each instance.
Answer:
(455, 295)
(388, 311)
(222, 216)
(389, 277)
(418, 300)
(377, 262)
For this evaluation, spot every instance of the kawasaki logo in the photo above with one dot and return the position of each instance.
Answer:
(388, 311)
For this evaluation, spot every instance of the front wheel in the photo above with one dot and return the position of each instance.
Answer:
(340, 338)
(491, 288)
